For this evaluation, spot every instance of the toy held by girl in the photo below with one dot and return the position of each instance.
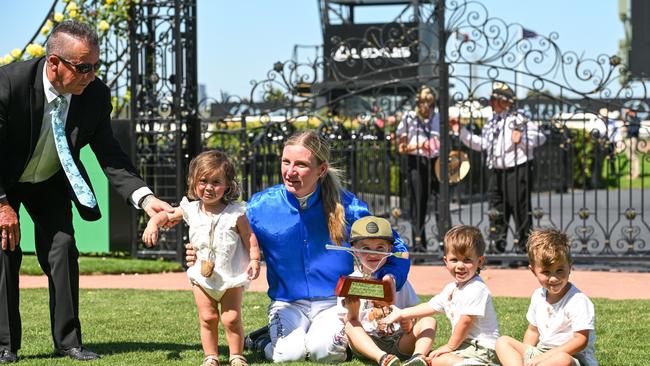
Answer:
(466, 302)
(227, 251)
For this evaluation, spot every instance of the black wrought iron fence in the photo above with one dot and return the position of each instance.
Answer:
(589, 177)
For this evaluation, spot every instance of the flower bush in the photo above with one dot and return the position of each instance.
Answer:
(109, 16)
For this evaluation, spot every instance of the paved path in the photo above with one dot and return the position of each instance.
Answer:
(427, 280)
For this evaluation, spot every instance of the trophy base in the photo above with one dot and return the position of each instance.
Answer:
(364, 288)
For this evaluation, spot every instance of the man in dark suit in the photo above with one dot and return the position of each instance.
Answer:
(35, 95)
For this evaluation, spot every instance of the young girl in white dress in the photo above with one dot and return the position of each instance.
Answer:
(227, 251)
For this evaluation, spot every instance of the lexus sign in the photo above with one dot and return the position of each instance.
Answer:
(371, 51)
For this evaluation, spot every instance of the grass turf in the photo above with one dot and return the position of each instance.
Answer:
(129, 327)
(106, 265)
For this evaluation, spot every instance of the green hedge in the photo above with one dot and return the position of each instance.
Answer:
(615, 165)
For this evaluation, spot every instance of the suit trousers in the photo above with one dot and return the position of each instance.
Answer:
(49, 206)
(509, 194)
(423, 185)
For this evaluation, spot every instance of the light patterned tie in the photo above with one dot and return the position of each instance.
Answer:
(79, 185)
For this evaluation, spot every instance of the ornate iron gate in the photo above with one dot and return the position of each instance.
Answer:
(560, 92)
(164, 104)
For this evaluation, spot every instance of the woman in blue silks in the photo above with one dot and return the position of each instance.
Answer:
(293, 222)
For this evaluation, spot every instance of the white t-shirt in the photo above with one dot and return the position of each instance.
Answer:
(472, 299)
(557, 322)
(406, 297)
(230, 256)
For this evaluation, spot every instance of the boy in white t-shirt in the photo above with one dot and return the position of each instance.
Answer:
(466, 302)
(561, 318)
(386, 344)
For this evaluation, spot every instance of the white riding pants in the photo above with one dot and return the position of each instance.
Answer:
(306, 329)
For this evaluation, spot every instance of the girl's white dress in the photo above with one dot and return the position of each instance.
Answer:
(230, 256)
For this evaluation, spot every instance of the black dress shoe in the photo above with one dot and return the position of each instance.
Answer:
(78, 353)
(259, 332)
(256, 340)
(6, 356)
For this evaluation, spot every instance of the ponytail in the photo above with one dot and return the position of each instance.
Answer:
(334, 212)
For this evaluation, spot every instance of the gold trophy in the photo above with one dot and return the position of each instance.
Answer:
(365, 287)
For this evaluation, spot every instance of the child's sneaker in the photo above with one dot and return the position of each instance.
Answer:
(389, 360)
(416, 360)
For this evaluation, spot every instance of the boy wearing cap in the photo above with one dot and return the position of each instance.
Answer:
(408, 340)
(508, 139)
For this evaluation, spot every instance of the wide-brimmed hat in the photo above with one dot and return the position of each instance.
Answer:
(501, 90)
(457, 167)
(371, 227)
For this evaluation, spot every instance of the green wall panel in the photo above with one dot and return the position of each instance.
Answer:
(91, 236)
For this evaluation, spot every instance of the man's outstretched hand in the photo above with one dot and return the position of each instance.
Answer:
(153, 205)
(9, 227)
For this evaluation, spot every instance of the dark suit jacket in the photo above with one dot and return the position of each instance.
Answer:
(88, 123)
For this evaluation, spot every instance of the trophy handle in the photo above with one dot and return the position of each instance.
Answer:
(401, 255)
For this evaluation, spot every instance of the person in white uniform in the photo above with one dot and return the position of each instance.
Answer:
(418, 137)
(509, 140)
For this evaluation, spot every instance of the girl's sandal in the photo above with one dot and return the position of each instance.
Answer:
(389, 360)
(238, 360)
(210, 361)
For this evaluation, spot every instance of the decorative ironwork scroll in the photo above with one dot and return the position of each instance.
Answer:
(164, 104)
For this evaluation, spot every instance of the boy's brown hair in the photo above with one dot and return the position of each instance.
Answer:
(548, 246)
(464, 239)
(209, 162)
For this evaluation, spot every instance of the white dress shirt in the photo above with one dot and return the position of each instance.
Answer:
(496, 140)
(44, 162)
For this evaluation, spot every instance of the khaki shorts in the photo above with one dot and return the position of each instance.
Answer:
(538, 350)
(388, 344)
(471, 349)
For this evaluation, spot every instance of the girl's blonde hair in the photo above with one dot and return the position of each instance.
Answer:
(547, 247)
(209, 162)
(330, 182)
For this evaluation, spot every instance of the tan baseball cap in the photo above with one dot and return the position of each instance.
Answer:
(371, 227)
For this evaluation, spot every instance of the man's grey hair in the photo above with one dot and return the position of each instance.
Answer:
(56, 44)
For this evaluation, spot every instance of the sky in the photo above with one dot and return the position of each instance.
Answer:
(239, 40)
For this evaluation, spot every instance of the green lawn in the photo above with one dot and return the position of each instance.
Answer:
(136, 327)
(107, 265)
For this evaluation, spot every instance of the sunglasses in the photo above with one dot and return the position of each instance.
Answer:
(80, 68)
